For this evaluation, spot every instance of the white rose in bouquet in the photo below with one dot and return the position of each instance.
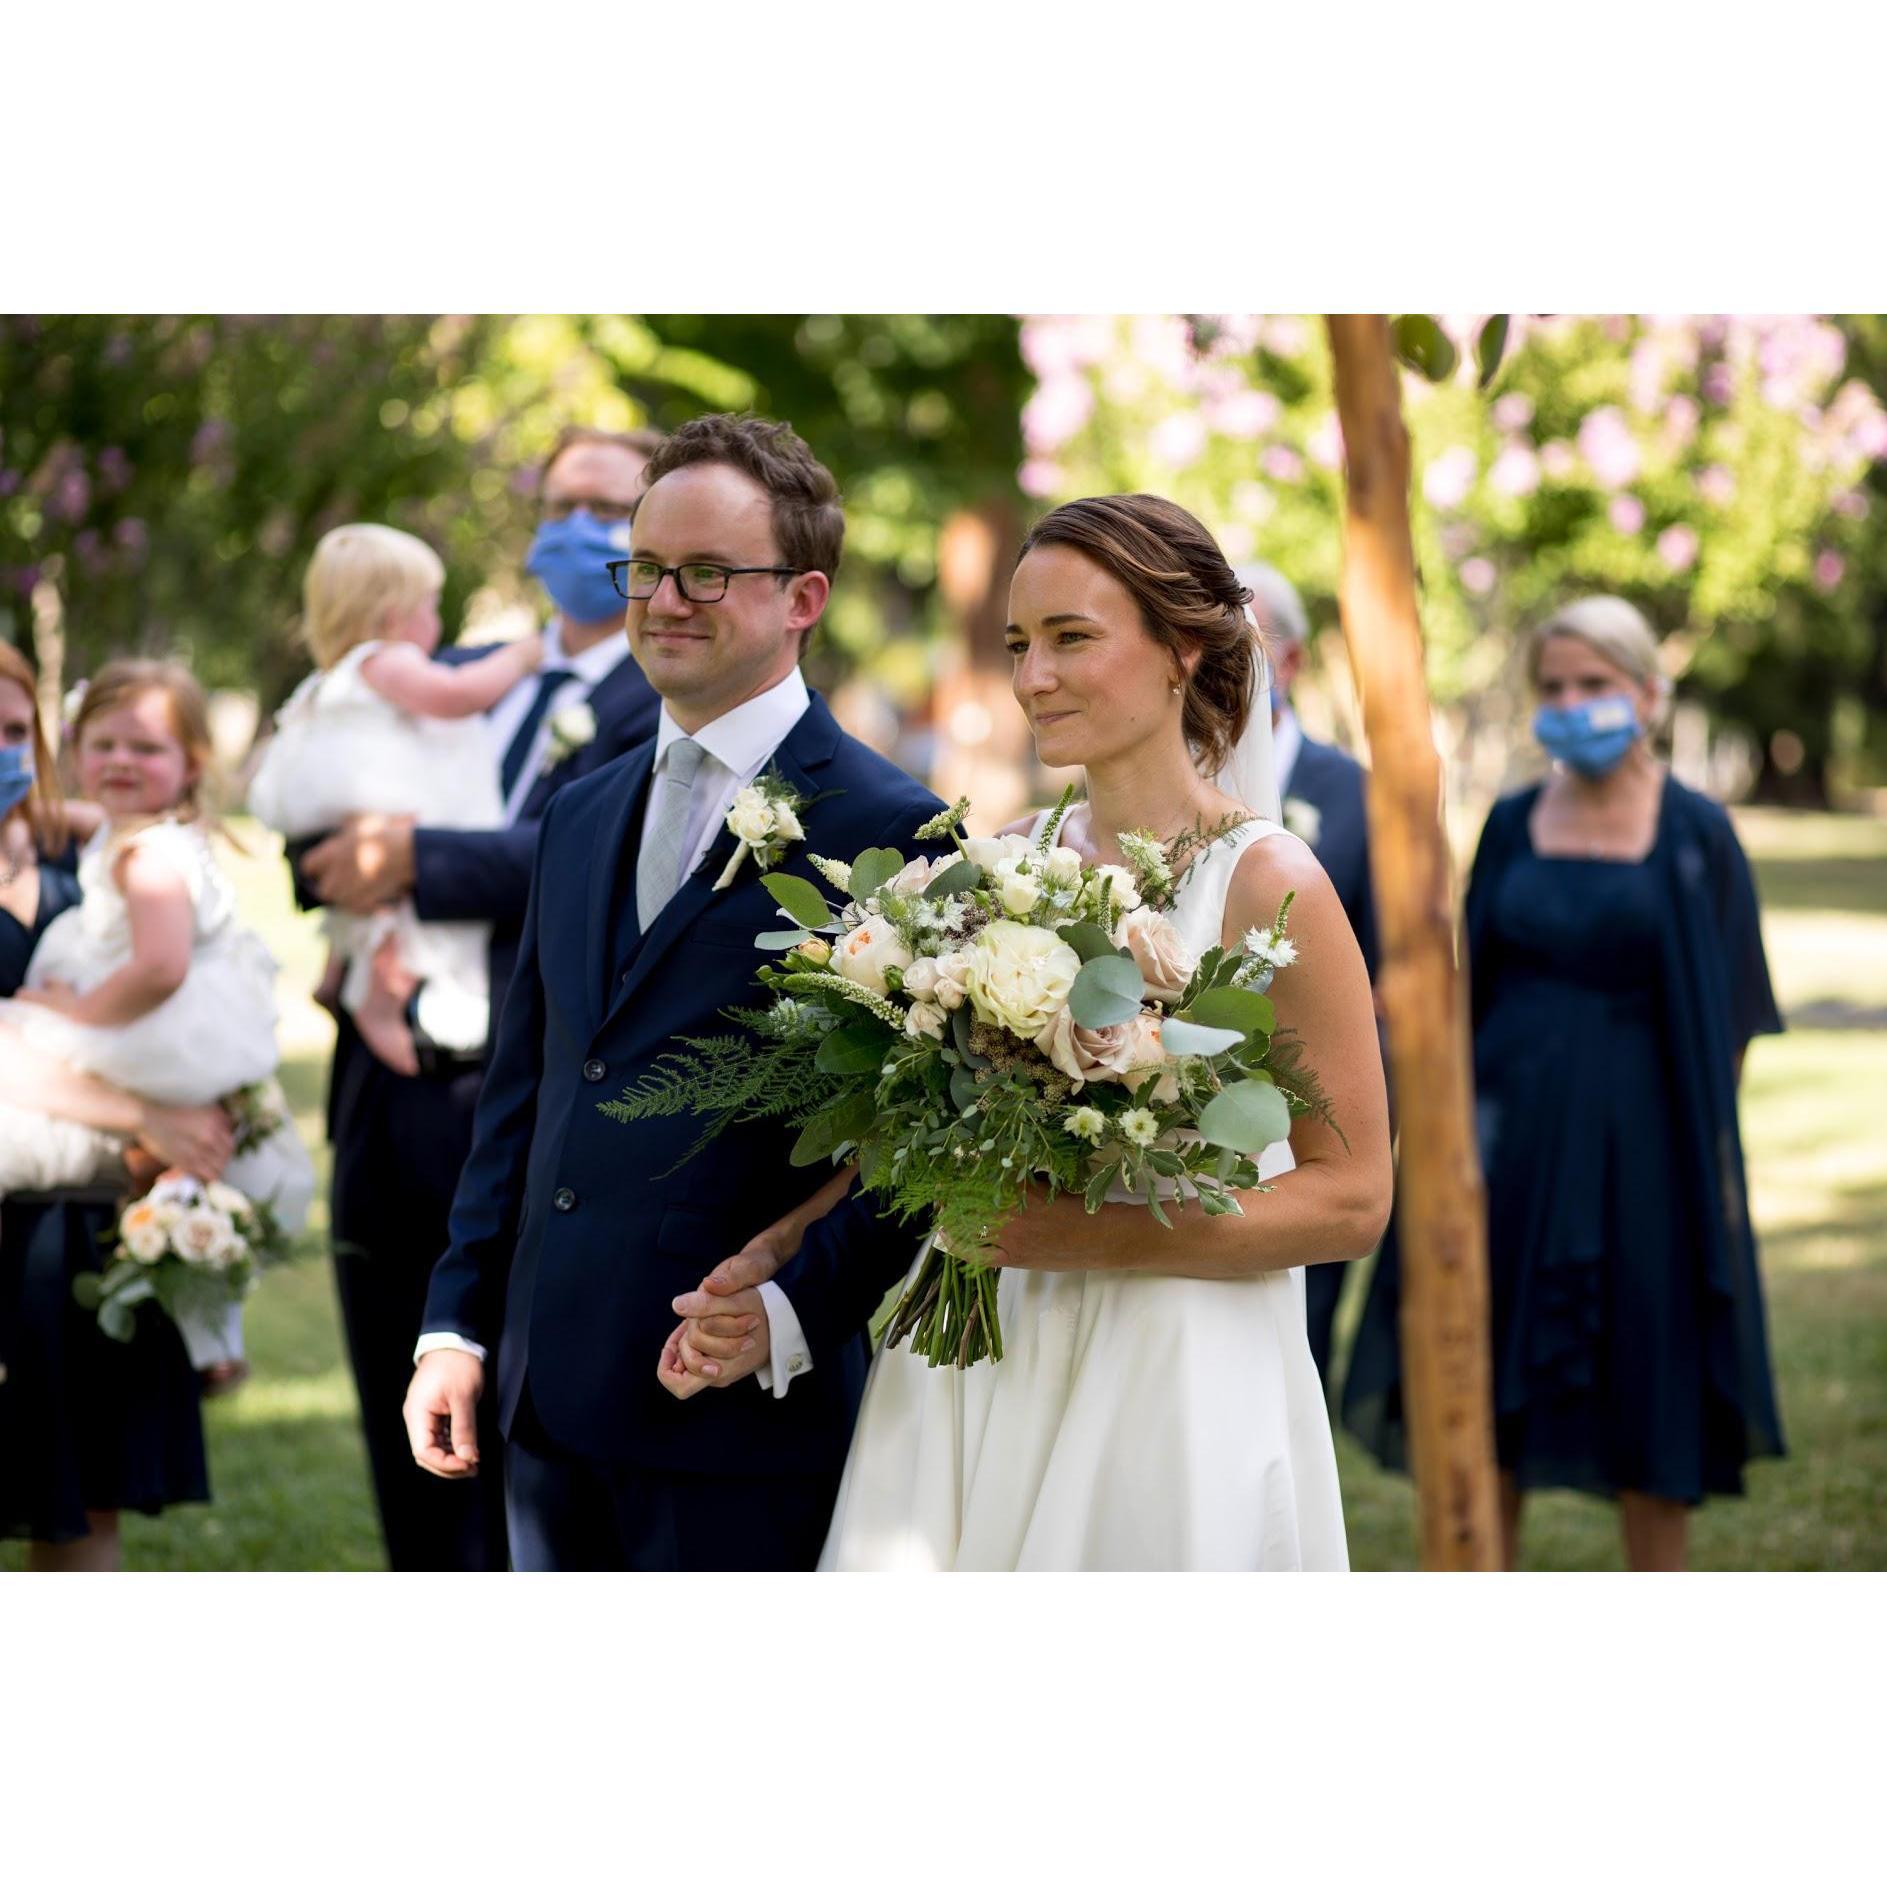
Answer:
(863, 955)
(925, 1018)
(988, 853)
(1085, 1055)
(786, 824)
(227, 1200)
(1159, 952)
(1018, 976)
(751, 817)
(205, 1237)
(1119, 882)
(952, 986)
(144, 1233)
(920, 980)
(1017, 887)
(916, 876)
(1145, 1052)
(1062, 866)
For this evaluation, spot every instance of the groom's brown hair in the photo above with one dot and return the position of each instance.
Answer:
(808, 523)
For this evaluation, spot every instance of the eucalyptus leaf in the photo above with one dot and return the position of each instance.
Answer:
(1241, 1009)
(781, 939)
(964, 1091)
(872, 869)
(1087, 941)
(801, 900)
(962, 876)
(1248, 1117)
(116, 1321)
(1489, 345)
(87, 1288)
(1108, 990)
(1190, 1038)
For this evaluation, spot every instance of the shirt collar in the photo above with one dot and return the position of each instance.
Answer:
(597, 661)
(744, 736)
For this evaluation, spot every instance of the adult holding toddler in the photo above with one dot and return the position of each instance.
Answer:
(400, 1140)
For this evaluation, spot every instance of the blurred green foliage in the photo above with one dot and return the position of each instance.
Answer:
(169, 475)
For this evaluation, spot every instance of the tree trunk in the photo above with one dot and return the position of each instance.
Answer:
(982, 738)
(1447, 1375)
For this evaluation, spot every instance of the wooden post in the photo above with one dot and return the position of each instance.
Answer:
(1447, 1373)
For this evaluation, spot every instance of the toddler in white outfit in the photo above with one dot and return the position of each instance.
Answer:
(382, 728)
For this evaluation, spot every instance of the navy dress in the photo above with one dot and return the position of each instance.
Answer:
(85, 1422)
(1610, 1002)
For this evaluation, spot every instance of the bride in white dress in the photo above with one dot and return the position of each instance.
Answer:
(1156, 1407)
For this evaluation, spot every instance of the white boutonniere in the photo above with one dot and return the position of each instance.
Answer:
(1302, 820)
(571, 730)
(765, 819)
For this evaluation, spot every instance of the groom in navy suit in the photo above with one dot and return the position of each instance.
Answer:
(400, 1140)
(574, 1238)
(1323, 790)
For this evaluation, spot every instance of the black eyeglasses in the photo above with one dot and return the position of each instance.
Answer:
(638, 578)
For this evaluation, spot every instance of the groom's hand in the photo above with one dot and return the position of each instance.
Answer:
(367, 863)
(442, 1413)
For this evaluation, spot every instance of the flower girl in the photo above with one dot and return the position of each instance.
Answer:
(150, 982)
(379, 727)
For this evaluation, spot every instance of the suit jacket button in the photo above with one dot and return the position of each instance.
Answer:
(564, 1199)
(594, 1071)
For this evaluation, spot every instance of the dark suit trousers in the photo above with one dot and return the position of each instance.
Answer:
(398, 1146)
(568, 1514)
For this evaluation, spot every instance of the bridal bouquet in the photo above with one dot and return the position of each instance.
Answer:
(1002, 1016)
(196, 1249)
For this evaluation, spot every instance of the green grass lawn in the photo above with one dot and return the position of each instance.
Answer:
(290, 1474)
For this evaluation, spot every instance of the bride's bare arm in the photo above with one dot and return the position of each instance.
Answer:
(1335, 1204)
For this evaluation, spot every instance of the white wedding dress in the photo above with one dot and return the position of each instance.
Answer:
(1135, 1423)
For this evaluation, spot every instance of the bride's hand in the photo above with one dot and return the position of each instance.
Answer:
(672, 1371)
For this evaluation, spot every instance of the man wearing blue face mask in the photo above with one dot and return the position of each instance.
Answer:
(399, 1142)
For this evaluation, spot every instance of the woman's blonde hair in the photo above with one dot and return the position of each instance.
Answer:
(358, 575)
(1612, 629)
(45, 810)
(123, 681)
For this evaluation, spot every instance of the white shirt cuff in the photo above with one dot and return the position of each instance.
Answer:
(447, 1340)
(788, 1353)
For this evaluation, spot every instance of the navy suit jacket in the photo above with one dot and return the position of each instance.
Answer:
(571, 1234)
(1331, 781)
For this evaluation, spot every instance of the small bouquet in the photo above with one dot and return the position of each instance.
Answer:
(196, 1249)
(1006, 1015)
(256, 1113)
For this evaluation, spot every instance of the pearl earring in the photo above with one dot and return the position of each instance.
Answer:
(1176, 687)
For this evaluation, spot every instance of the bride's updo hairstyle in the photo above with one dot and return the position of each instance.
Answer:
(1189, 600)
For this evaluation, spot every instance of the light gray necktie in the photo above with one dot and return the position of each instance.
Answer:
(658, 868)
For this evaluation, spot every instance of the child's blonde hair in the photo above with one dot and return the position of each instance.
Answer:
(124, 681)
(359, 574)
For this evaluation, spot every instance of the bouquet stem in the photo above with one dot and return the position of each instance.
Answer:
(949, 1312)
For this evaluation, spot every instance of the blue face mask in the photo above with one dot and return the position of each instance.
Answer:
(16, 777)
(1592, 737)
(568, 556)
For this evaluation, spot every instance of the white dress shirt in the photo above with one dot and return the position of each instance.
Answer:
(735, 749)
(591, 667)
(1287, 742)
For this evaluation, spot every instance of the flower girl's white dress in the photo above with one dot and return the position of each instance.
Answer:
(213, 1035)
(339, 748)
(1135, 1421)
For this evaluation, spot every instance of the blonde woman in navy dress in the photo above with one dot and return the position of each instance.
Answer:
(1617, 972)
